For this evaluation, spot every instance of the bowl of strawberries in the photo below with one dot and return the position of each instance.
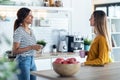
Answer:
(66, 67)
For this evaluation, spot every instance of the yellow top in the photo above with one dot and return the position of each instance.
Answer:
(98, 53)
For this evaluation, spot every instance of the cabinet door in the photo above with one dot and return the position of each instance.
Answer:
(43, 64)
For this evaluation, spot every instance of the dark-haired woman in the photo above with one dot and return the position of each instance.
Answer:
(99, 53)
(24, 44)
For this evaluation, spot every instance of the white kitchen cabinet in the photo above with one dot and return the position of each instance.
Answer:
(114, 24)
(43, 64)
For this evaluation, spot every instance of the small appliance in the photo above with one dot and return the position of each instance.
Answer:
(74, 43)
(63, 46)
(62, 41)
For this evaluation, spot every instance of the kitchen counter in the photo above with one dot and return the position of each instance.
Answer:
(108, 72)
(53, 55)
(38, 56)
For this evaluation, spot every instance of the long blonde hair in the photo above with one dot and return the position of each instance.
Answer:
(100, 23)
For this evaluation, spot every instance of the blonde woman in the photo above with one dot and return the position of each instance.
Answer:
(99, 53)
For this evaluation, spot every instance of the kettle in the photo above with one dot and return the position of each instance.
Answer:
(63, 46)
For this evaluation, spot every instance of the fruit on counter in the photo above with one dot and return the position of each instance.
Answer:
(59, 60)
(66, 61)
(66, 67)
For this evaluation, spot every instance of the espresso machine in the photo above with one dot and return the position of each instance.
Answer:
(74, 43)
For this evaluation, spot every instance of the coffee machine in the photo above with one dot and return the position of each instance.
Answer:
(74, 43)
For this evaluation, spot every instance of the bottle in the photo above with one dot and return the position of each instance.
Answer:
(58, 3)
(54, 48)
(51, 2)
(46, 3)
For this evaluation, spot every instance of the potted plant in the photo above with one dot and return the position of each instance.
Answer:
(41, 42)
(87, 43)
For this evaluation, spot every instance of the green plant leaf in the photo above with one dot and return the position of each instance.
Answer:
(41, 42)
(87, 41)
(7, 69)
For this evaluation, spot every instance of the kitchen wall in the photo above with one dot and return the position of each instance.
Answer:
(79, 24)
(6, 35)
(82, 10)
